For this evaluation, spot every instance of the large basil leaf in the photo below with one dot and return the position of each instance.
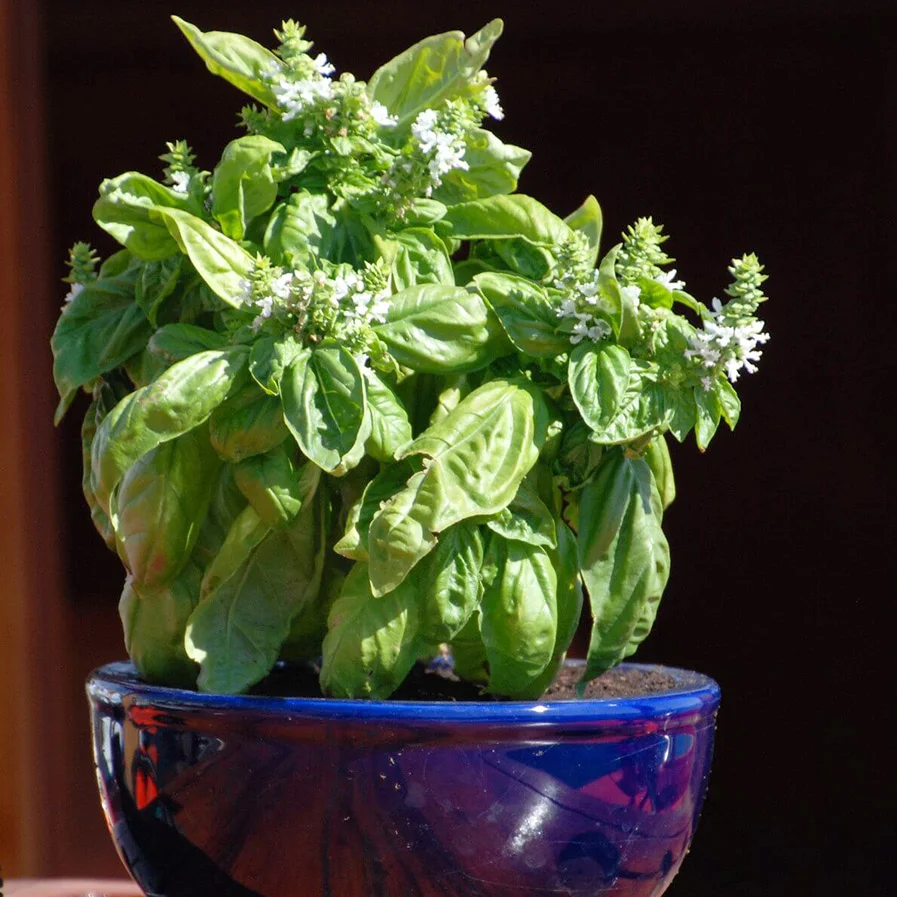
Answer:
(223, 264)
(243, 185)
(431, 72)
(519, 624)
(128, 209)
(270, 356)
(657, 457)
(236, 632)
(624, 558)
(323, 395)
(157, 281)
(442, 329)
(175, 342)
(239, 60)
(372, 641)
(246, 532)
(301, 227)
(98, 331)
(525, 312)
(390, 480)
(181, 399)
(526, 519)
(160, 504)
(493, 168)
(707, 416)
(642, 409)
(275, 487)
(449, 583)
(421, 258)
(154, 620)
(390, 427)
(248, 423)
(599, 377)
(587, 219)
(475, 460)
(96, 411)
(506, 217)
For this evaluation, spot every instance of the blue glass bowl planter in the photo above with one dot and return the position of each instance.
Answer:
(211, 796)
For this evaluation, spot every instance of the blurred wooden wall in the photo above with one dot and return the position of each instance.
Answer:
(35, 768)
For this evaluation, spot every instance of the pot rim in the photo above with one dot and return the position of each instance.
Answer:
(115, 683)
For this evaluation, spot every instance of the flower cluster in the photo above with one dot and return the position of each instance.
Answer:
(82, 264)
(640, 256)
(302, 81)
(731, 333)
(180, 172)
(579, 285)
(443, 150)
(333, 301)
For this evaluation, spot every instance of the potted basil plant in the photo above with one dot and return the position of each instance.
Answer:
(356, 405)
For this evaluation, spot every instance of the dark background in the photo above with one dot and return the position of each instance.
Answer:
(766, 127)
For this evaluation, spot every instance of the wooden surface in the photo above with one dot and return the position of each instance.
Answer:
(33, 616)
(71, 887)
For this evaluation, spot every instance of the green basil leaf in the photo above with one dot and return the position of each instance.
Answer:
(431, 72)
(657, 457)
(469, 652)
(642, 409)
(250, 422)
(493, 168)
(729, 403)
(224, 265)
(239, 60)
(308, 627)
(578, 458)
(158, 508)
(175, 342)
(323, 394)
(525, 312)
(154, 621)
(449, 581)
(390, 480)
(599, 377)
(157, 281)
(92, 418)
(270, 356)
(243, 185)
(519, 623)
(237, 630)
(372, 642)
(526, 519)
(624, 558)
(421, 258)
(588, 220)
(275, 488)
(128, 209)
(442, 329)
(301, 228)
(390, 427)
(226, 504)
(506, 217)
(97, 331)
(181, 399)
(569, 604)
(475, 460)
(246, 532)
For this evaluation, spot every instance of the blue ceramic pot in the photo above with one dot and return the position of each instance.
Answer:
(210, 796)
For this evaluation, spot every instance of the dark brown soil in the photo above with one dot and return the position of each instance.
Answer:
(615, 683)
(301, 681)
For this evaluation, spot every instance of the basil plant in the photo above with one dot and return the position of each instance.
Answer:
(356, 401)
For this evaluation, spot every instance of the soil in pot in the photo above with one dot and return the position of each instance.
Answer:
(422, 684)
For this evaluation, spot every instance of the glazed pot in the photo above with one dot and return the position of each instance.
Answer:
(213, 796)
